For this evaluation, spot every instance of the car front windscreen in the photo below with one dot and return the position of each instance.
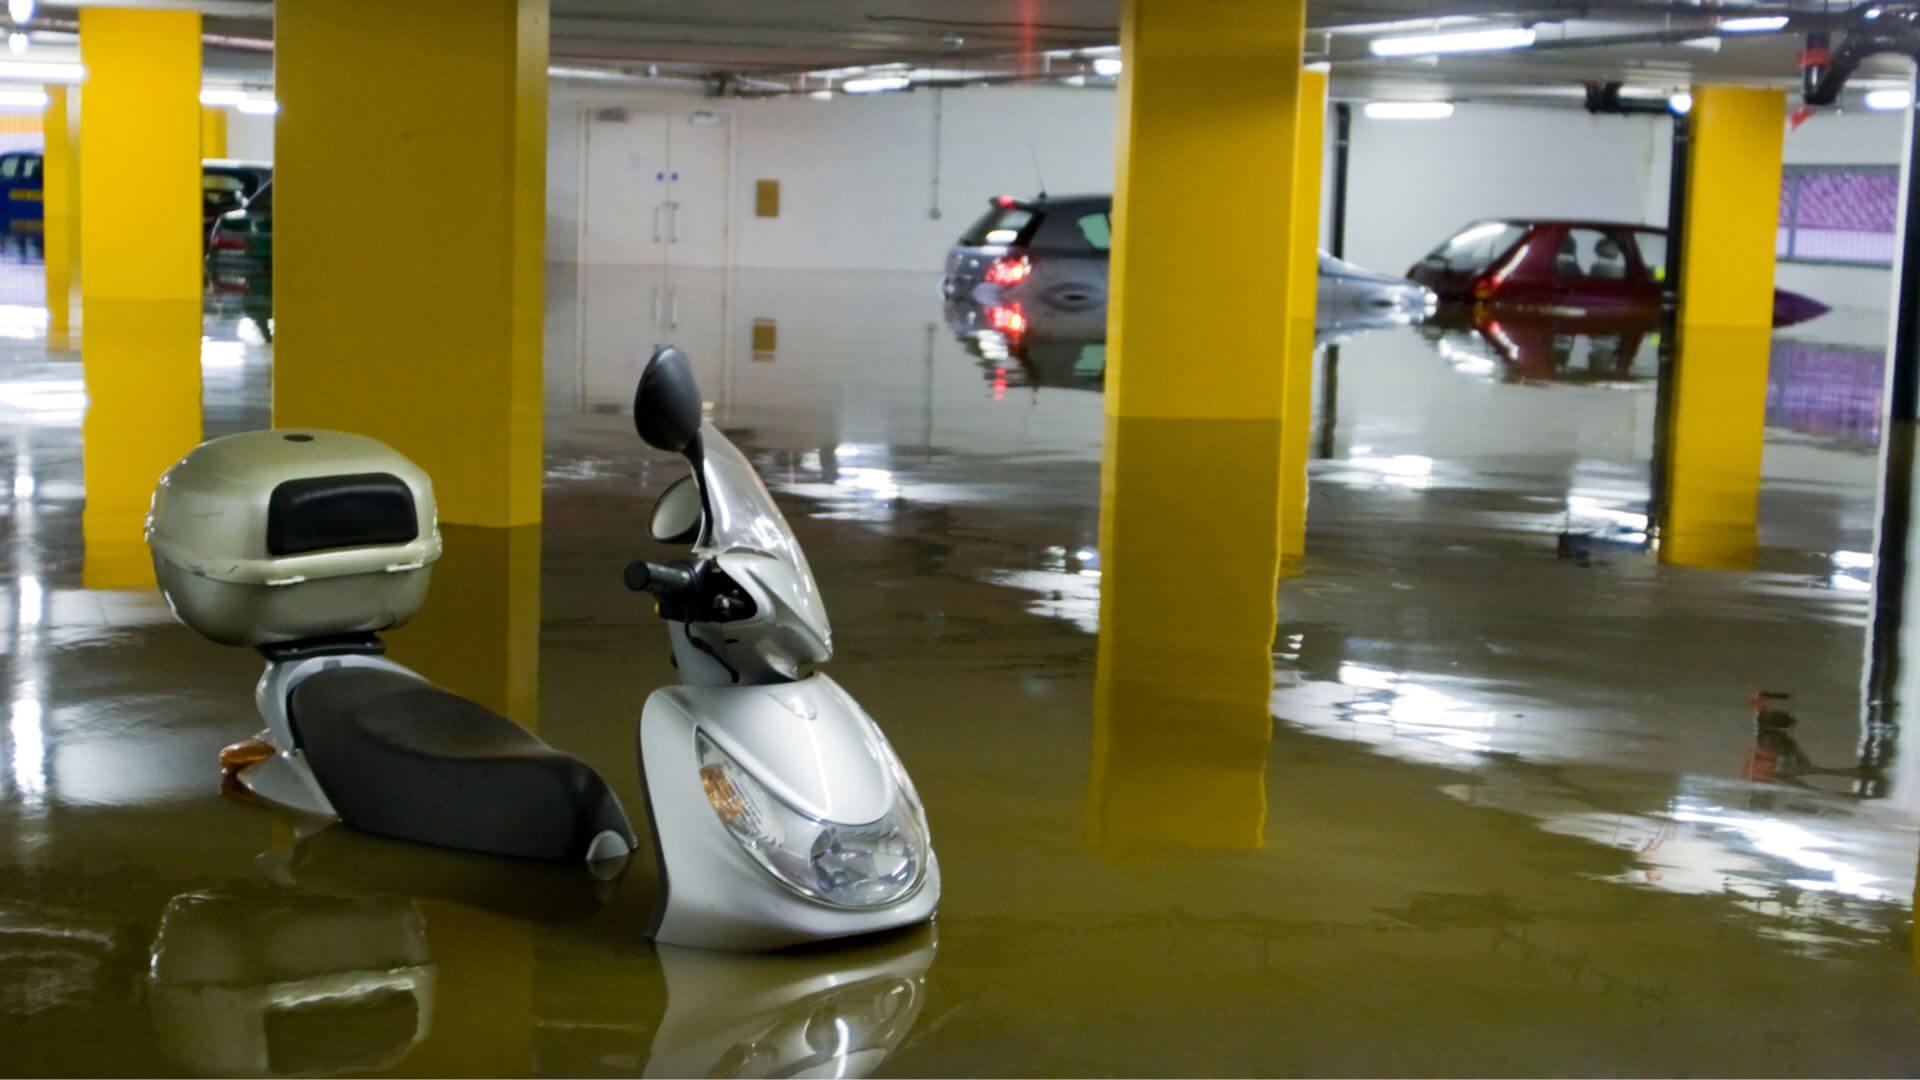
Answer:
(1475, 247)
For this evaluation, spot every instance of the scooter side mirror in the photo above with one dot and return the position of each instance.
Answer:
(666, 406)
(676, 517)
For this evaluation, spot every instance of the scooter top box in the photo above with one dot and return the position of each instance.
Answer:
(276, 536)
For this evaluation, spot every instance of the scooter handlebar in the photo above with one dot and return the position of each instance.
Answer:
(663, 581)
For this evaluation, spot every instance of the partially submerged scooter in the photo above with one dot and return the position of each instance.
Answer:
(759, 770)
(780, 813)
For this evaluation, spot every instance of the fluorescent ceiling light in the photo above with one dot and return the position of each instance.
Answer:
(1108, 66)
(599, 74)
(1460, 41)
(1752, 24)
(41, 71)
(19, 11)
(1710, 44)
(31, 99)
(259, 106)
(821, 95)
(1887, 100)
(876, 84)
(1680, 103)
(222, 95)
(1408, 110)
(17, 43)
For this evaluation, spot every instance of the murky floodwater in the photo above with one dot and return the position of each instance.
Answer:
(1511, 790)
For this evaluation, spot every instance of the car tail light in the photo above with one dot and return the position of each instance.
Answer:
(1008, 319)
(226, 241)
(1009, 270)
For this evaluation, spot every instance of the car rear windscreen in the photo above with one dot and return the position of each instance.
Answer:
(1001, 225)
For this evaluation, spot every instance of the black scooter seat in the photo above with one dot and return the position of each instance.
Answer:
(400, 757)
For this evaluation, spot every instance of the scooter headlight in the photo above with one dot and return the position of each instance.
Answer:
(865, 865)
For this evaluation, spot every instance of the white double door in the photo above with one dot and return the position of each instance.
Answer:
(654, 188)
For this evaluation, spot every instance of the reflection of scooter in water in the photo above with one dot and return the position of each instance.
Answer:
(1778, 759)
(806, 1013)
(261, 981)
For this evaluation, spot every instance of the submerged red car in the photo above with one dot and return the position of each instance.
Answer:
(1579, 268)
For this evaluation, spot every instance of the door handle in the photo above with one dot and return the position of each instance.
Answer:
(656, 221)
(673, 223)
(673, 308)
(656, 305)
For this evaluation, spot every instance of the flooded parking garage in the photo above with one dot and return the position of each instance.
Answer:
(1505, 792)
(1079, 537)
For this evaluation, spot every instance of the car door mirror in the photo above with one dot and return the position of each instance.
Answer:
(677, 514)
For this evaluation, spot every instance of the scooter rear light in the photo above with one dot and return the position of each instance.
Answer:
(1008, 270)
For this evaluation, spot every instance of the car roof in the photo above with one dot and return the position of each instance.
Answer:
(1582, 223)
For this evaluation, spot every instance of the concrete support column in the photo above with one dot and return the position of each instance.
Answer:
(409, 222)
(1730, 220)
(140, 280)
(1191, 484)
(60, 205)
(213, 131)
(1303, 283)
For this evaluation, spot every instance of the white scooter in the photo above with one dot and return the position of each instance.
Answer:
(780, 814)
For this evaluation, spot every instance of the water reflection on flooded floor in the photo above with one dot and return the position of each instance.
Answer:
(1536, 798)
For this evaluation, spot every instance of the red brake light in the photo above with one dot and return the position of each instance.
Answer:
(1008, 319)
(1008, 270)
(226, 241)
(1004, 202)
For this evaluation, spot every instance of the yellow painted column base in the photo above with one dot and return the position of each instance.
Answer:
(1189, 527)
(141, 367)
(1715, 441)
(479, 632)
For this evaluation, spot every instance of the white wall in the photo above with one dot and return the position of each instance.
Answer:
(1411, 183)
(249, 138)
(1854, 138)
(857, 175)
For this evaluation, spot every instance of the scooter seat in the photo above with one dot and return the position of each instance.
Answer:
(403, 758)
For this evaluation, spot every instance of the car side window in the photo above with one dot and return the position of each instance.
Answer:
(1097, 229)
(1590, 253)
(30, 168)
(1653, 252)
(9, 167)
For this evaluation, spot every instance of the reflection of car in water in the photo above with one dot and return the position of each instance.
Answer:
(1567, 268)
(1040, 344)
(1519, 345)
(1054, 252)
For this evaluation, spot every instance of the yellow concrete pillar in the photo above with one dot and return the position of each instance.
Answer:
(60, 202)
(213, 131)
(1191, 473)
(479, 632)
(1715, 429)
(409, 308)
(1303, 256)
(140, 280)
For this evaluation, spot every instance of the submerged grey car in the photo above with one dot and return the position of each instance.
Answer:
(1053, 252)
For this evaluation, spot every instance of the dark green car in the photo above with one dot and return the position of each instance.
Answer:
(243, 239)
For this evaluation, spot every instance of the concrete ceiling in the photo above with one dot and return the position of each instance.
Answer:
(769, 42)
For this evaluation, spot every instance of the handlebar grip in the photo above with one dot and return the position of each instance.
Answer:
(662, 581)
